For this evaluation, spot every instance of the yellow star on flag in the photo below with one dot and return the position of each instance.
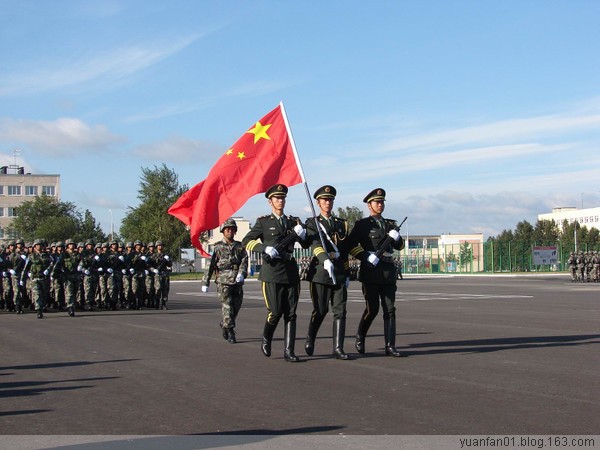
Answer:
(259, 131)
(241, 155)
(229, 152)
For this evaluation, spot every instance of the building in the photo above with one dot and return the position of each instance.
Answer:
(17, 187)
(588, 217)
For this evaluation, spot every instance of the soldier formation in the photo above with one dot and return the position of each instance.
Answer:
(69, 276)
(584, 266)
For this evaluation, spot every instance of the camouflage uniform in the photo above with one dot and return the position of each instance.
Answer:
(17, 261)
(162, 282)
(573, 266)
(66, 267)
(37, 269)
(228, 261)
(88, 266)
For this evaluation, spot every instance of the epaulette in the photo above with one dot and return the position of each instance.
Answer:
(264, 217)
(391, 221)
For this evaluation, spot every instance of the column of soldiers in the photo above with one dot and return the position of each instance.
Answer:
(69, 276)
(584, 266)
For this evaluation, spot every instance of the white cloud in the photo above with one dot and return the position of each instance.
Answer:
(105, 68)
(60, 137)
(179, 149)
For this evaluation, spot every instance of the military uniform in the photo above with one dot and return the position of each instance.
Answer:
(162, 281)
(229, 264)
(323, 289)
(279, 273)
(37, 270)
(17, 262)
(88, 265)
(378, 278)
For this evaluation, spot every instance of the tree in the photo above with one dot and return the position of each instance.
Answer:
(466, 254)
(149, 221)
(47, 218)
(351, 213)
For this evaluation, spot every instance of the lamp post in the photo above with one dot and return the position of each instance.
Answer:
(111, 225)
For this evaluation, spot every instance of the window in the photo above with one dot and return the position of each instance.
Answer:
(1, 233)
(1, 190)
(12, 212)
(31, 190)
(14, 190)
(1, 212)
(49, 190)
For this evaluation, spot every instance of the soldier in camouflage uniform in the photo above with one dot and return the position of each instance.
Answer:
(162, 281)
(17, 261)
(114, 283)
(581, 267)
(88, 266)
(150, 273)
(7, 289)
(572, 261)
(37, 269)
(138, 275)
(595, 266)
(66, 268)
(229, 263)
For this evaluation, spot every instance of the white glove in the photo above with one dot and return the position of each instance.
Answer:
(373, 259)
(347, 282)
(87, 272)
(155, 270)
(205, 289)
(21, 283)
(23, 256)
(328, 267)
(97, 258)
(4, 274)
(300, 231)
(12, 272)
(144, 258)
(122, 258)
(167, 257)
(145, 272)
(46, 272)
(109, 270)
(131, 271)
(239, 278)
(28, 274)
(394, 234)
(100, 269)
(271, 252)
(124, 271)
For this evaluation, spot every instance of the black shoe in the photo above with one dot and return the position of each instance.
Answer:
(289, 356)
(226, 334)
(71, 312)
(232, 339)
(392, 351)
(340, 354)
(309, 346)
(40, 314)
(266, 347)
(360, 344)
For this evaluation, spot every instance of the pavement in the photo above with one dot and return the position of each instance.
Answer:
(487, 356)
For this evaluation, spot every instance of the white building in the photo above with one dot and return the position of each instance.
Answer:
(588, 217)
(17, 187)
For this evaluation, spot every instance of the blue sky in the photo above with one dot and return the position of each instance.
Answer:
(473, 115)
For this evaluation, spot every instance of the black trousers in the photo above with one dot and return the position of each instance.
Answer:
(281, 300)
(374, 295)
(322, 295)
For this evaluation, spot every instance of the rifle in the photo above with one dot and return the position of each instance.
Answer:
(388, 240)
(281, 245)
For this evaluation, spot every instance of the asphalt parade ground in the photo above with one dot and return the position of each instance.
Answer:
(487, 355)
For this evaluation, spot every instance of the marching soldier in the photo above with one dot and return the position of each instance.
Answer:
(327, 272)
(37, 269)
(88, 267)
(572, 261)
(229, 263)
(377, 274)
(150, 273)
(138, 275)
(17, 261)
(275, 235)
(67, 268)
(162, 279)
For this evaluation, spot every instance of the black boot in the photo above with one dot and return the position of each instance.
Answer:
(232, 339)
(313, 329)
(389, 332)
(267, 338)
(290, 341)
(361, 334)
(226, 334)
(339, 332)
(40, 314)
(71, 311)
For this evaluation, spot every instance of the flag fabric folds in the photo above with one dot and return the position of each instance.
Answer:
(262, 157)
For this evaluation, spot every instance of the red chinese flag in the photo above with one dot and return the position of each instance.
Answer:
(262, 157)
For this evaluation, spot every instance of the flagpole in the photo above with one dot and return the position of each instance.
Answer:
(299, 164)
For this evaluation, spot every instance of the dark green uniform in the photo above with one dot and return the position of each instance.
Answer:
(323, 290)
(279, 276)
(379, 280)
